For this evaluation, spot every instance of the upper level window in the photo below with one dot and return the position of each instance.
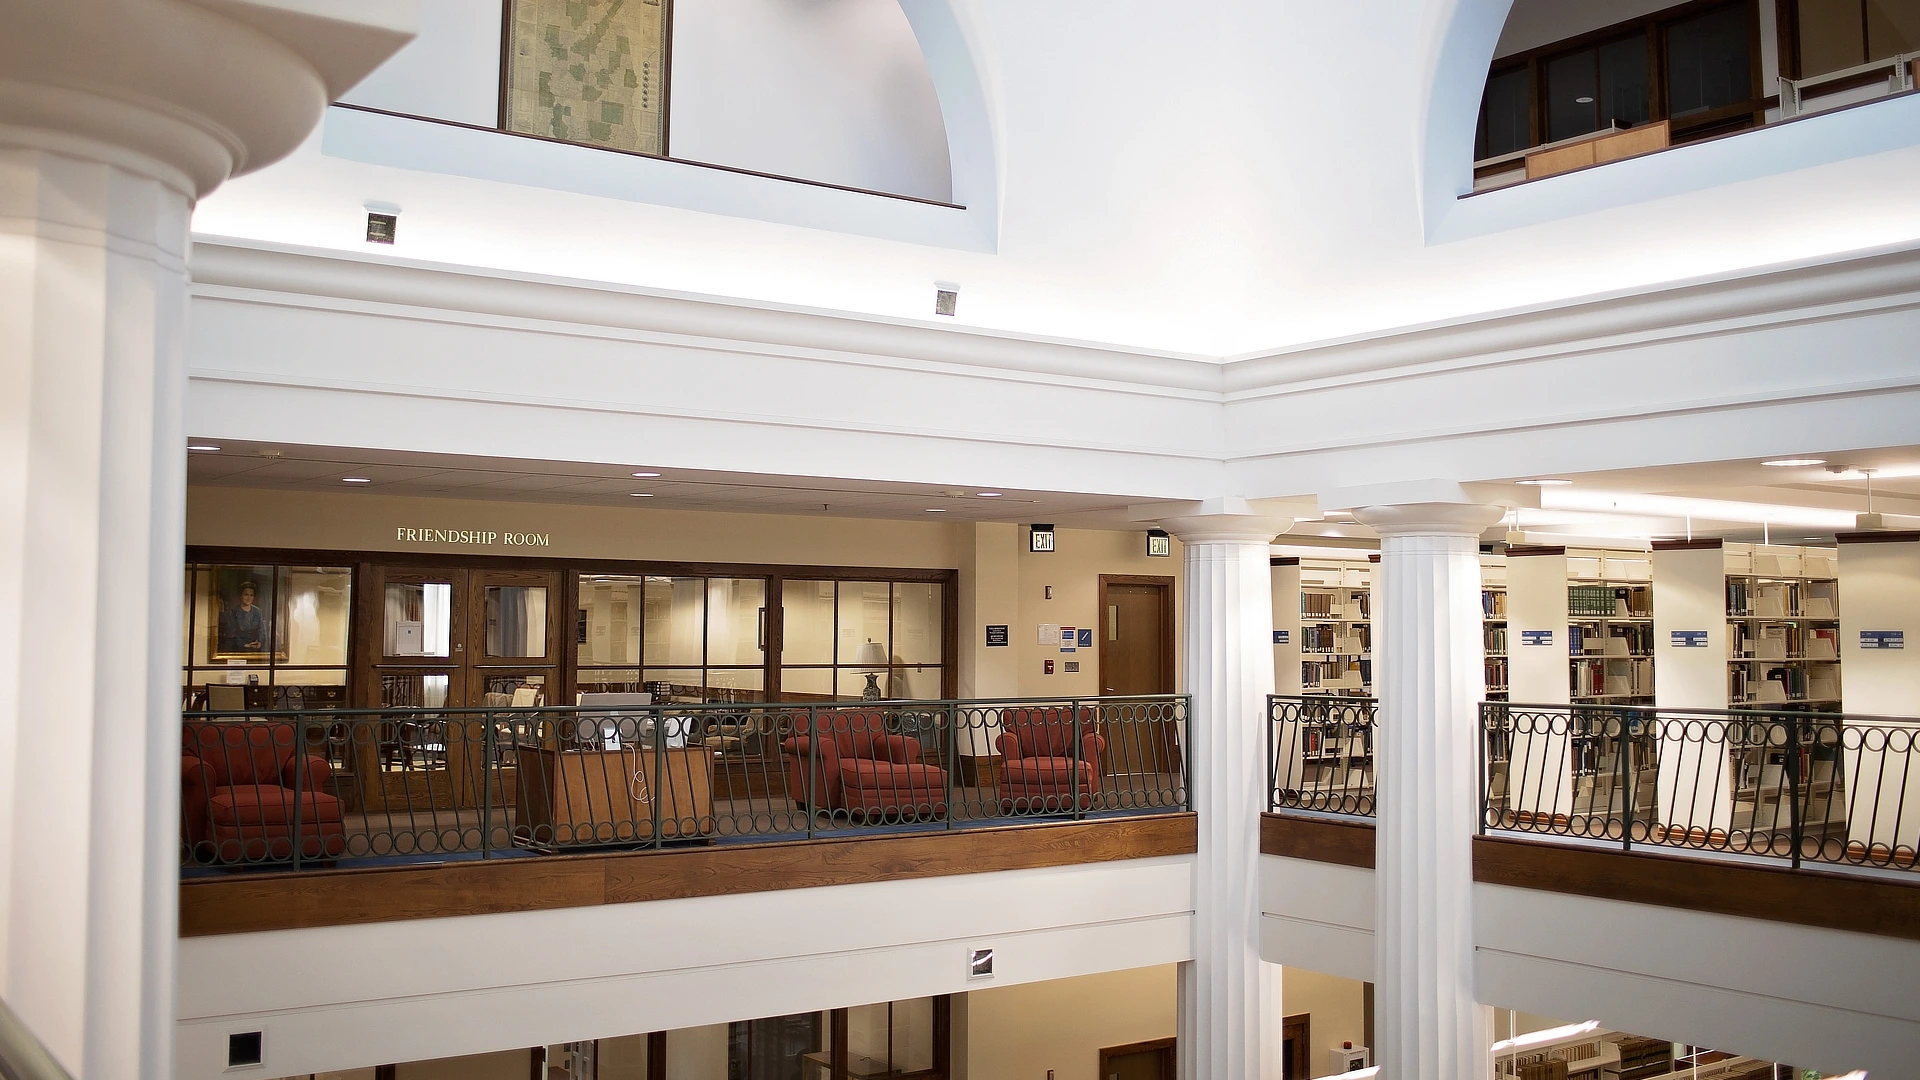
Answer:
(1601, 90)
(588, 71)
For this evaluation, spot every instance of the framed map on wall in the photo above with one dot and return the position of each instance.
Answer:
(588, 71)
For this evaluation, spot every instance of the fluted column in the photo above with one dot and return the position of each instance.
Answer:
(1428, 660)
(114, 116)
(1228, 658)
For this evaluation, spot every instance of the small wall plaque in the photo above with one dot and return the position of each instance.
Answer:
(1883, 639)
(1281, 637)
(1086, 636)
(996, 636)
(1536, 637)
(1689, 639)
(1069, 639)
(980, 963)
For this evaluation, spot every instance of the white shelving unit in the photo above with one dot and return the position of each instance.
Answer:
(1493, 624)
(1336, 632)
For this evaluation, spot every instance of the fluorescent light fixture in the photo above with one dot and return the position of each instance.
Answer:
(1673, 507)
(936, 509)
(207, 448)
(646, 475)
(641, 494)
(1541, 1038)
(355, 480)
(1794, 462)
(986, 494)
(1546, 481)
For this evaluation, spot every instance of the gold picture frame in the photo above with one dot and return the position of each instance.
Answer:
(592, 72)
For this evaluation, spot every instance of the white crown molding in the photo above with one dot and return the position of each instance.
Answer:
(239, 270)
(1855, 282)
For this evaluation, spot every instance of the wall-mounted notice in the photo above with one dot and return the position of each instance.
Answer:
(1281, 637)
(1069, 639)
(1883, 639)
(996, 636)
(1689, 639)
(1086, 636)
(1536, 637)
(1048, 634)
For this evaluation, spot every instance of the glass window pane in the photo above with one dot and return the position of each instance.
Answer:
(917, 622)
(516, 620)
(1504, 115)
(1830, 36)
(318, 607)
(1571, 89)
(675, 685)
(623, 1058)
(736, 684)
(1623, 81)
(806, 634)
(774, 1048)
(607, 627)
(418, 618)
(1709, 60)
(405, 690)
(1893, 27)
(505, 690)
(921, 683)
(698, 1053)
(236, 622)
(806, 684)
(864, 607)
(891, 1038)
(186, 616)
(736, 620)
(850, 684)
(676, 617)
(609, 681)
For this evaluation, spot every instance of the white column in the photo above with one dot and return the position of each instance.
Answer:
(1428, 659)
(114, 117)
(1224, 994)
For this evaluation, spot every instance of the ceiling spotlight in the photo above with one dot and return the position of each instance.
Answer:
(641, 494)
(203, 447)
(1545, 481)
(646, 475)
(936, 509)
(355, 480)
(1792, 462)
(1583, 101)
(986, 494)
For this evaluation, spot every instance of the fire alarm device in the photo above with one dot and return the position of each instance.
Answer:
(1049, 667)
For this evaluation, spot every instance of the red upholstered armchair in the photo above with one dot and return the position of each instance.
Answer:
(1039, 762)
(857, 766)
(238, 797)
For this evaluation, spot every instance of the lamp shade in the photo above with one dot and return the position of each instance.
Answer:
(871, 656)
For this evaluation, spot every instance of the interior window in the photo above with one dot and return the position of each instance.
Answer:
(1505, 120)
(1709, 60)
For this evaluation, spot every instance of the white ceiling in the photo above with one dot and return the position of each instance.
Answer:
(1735, 500)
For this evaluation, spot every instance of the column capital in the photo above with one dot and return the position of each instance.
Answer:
(1228, 519)
(1429, 518)
(188, 92)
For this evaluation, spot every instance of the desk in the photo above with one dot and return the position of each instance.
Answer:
(571, 797)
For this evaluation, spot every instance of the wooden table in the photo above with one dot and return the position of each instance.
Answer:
(566, 798)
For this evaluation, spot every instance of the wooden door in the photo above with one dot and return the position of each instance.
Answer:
(413, 623)
(1296, 1050)
(1151, 1060)
(1136, 657)
(512, 661)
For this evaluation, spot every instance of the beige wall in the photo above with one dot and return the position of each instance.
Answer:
(1020, 1032)
(1074, 570)
(1338, 1008)
(1000, 581)
(506, 1065)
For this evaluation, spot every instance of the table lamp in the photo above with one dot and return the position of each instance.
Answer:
(871, 660)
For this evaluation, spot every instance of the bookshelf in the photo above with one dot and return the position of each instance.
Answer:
(1783, 626)
(1493, 624)
(1336, 632)
(1285, 572)
(1609, 627)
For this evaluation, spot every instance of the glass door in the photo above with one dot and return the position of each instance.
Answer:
(417, 672)
(513, 661)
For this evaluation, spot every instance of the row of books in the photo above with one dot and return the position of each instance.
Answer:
(1782, 641)
(1346, 604)
(1496, 673)
(1618, 639)
(1608, 677)
(1782, 600)
(1782, 684)
(1493, 603)
(1342, 673)
(1610, 601)
(1496, 639)
(1344, 641)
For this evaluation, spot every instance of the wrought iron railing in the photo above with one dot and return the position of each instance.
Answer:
(346, 787)
(1807, 788)
(1320, 754)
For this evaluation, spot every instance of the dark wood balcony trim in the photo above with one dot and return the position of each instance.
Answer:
(245, 903)
(1345, 843)
(1837, 901)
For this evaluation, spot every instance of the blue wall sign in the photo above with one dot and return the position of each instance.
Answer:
(1281, 637)
(1883, 639)
(1086, 637)
(1536, 637)
(996, 635)
(1689, 639)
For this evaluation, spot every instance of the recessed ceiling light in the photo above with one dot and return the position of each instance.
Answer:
(986, 494)
(641, 494)
(204, 447)
(646, 475)
(936, 510)
(1545, 481)
(355, 480)
(1791, 462)
(1583, 101)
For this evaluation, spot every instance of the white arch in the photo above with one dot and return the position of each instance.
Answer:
(959, 82)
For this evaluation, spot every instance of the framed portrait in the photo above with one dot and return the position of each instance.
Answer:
(240, 624)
